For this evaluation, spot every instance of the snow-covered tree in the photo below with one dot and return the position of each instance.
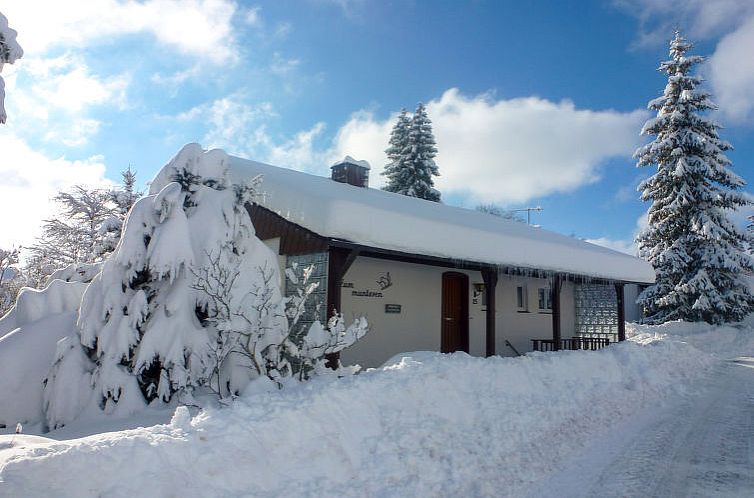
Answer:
(11, 279)
(72, 236)
(82, 233)
(10, 51)
(189, 302)
(122, 198)
(412, 151)
(697, 252)
(397, 150)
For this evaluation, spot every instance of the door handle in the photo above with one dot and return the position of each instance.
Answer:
(448, 319)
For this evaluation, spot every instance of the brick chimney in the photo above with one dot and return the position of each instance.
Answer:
(351, 171)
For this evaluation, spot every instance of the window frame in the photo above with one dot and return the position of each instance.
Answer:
(544, 296)
(522, 299)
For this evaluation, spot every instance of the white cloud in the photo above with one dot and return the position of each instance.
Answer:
(696, 18)
(201, 28)
(253, 17)
(627, 246)
(55, 101)
(282, 66)
(29, 180)
(731, 66)
(233, 122)
(505, 151)
(624, 246)
(732, 72)
(300, 150)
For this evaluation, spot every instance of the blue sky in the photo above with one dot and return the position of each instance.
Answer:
(534, 103)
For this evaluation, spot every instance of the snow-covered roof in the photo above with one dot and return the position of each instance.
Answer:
(385, 220)
(351, 160)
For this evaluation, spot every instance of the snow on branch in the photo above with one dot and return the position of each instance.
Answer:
(10, 51)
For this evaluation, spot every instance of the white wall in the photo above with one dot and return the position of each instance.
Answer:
(633, 311)
(274, 244)
(520, 327)
(418, 289)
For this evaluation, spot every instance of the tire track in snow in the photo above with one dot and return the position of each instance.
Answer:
(700, 444)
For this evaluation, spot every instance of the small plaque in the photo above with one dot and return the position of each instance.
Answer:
(392, 308)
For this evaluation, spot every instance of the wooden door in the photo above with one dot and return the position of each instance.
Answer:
(455, 312)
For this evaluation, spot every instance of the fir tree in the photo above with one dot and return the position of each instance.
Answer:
(398, 144)
(697, 252)
(412, 151)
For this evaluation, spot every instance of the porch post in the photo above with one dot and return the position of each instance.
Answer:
(490, 284)
(339, 260)
(556, 336)
(621, 312)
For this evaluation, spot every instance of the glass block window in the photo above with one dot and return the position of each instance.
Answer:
(316, 306)
(596, 311)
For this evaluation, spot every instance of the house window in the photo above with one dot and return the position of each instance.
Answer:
(545, 299)
(521, 304)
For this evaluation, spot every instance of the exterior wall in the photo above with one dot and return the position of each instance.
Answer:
(274, 244)
(633, 311)
(418, 290)
(520, 327)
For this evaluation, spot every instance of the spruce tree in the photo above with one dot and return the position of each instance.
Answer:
(697, 252)
(395, 152)
(412, 151)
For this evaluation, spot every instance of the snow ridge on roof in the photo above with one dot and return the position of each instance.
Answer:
(391, 221)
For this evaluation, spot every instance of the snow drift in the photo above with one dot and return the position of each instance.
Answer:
(426, 425)
(187, 309)
(28, 333)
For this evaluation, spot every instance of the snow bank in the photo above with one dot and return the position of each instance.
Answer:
(427, 425)
(28, 334)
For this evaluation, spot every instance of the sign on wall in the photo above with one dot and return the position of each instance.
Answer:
(392, 308)
(383, 281)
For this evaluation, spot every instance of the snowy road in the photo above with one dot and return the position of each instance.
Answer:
(700, 444)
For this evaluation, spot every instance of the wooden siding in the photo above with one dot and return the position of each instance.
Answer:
(294, 239)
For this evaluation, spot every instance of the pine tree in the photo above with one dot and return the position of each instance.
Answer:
(697, 252)
(412, 151)
(395, 152)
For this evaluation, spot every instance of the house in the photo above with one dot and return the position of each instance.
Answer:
(434, 277)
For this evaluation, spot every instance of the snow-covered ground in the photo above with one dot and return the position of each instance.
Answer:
(436, 425)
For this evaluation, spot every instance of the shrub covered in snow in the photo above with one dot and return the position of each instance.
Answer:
(190, 300)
